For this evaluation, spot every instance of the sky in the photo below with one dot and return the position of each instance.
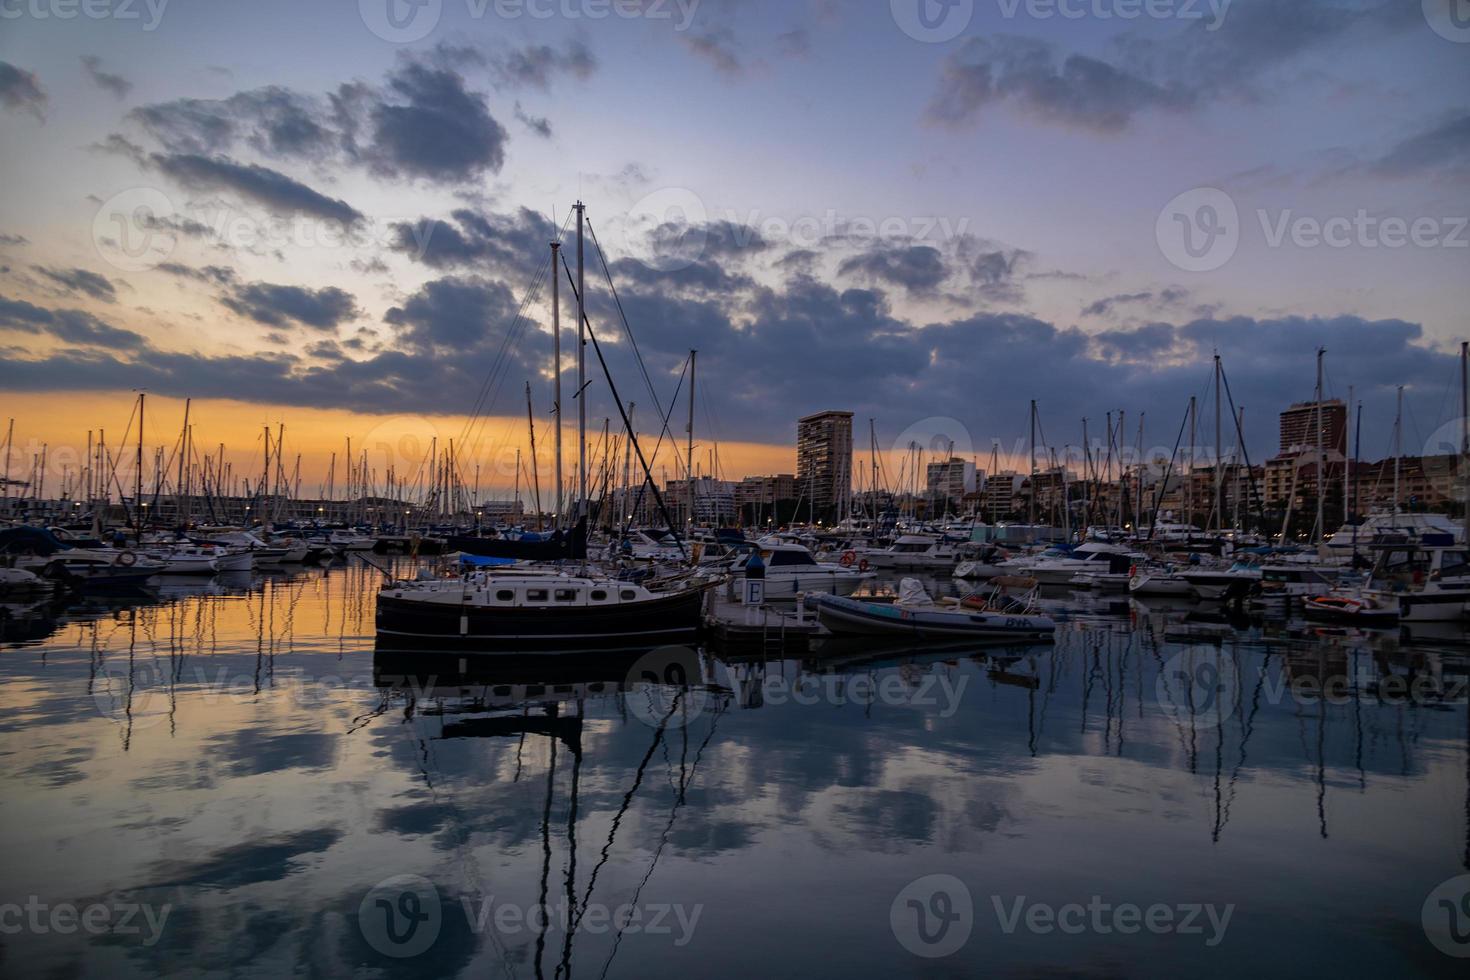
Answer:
(336, 217)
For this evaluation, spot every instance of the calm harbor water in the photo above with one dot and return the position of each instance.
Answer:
(226, 779)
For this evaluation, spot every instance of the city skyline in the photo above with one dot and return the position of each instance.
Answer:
(338, 239)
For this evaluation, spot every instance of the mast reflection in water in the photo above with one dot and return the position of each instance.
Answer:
(235, 760)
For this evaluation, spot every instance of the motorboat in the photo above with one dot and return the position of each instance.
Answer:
(492, 611)
(1428, 582)
(1352, 606)
(980, 561)
(1223, 584)
(20, 582)
(913, 551)
(791, 569)
(1158, 581)
(915, 614)
(1059, 565)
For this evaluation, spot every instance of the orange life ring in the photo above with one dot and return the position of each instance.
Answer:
(863, 565)
(127, 559)
(848, 557)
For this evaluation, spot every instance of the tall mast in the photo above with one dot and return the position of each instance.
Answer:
(1031, 519)
(138, 476)
(1219, 456)
(1321, 456)
(689, 441)
(556, 368)
(9, 438)
(183, 450)
(1398, 446)
(1465, 432)
(535, 465)
(581, 366)
(1189, 480)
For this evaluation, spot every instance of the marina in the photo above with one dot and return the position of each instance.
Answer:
(903, 490)
(245, 742)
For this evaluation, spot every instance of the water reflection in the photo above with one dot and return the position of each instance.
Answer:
(237, 750)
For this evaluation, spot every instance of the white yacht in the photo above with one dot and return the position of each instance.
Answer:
(1429, 583)
(910, 551)
(791, 569)
(1058, 566)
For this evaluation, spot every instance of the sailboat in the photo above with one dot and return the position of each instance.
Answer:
(547, 609)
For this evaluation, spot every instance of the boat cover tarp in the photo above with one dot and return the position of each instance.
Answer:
(30, 540)
(485, 561)
(558, 546)
(911, 593)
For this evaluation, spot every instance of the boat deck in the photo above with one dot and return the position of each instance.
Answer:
(785, 627)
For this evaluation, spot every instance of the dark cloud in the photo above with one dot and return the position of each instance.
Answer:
(264, 186)
(423, 122)
(216, 274)
(276, 305)
(21, 90)
(539, 125)
(1075, 89)
(14, 240)
(1443, 150)
(918, 269)
(1104, 306)
(77, 327)
(17, 314)
(274, 121)
(453, 314)
(106, 80)
(537, 65)
(509, 243)
(72, 326)
(1140, 73)
(435, 129)
(81, 281)
(179, 224)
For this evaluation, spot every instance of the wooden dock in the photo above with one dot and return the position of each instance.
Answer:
(767, 627)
